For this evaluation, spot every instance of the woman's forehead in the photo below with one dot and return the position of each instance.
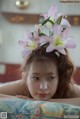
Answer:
(44, 65)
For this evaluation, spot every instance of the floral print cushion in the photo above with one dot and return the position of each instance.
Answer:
(26, 109)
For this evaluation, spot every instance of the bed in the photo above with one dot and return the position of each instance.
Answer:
(16, 108)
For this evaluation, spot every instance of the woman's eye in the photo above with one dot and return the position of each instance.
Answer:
(51, 78)
(35, 78)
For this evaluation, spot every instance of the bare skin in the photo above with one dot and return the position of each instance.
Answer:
(13, 88)
(17, 89)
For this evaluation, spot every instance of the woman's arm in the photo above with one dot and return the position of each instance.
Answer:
(6, 96)
(74, 98)
(72, 101)
(13, 88)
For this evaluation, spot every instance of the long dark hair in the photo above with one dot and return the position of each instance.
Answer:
(64, 65)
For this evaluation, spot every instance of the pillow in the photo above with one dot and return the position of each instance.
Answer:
(27, 109)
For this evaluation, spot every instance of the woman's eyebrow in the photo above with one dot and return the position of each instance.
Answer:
(51, 73)
(35, 73)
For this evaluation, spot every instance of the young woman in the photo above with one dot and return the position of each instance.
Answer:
(47, 71)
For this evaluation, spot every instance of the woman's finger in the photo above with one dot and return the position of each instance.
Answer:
(21, 96)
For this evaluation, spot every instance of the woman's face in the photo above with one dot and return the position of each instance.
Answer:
(42, 80)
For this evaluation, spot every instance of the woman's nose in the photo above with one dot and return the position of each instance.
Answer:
(44, 85)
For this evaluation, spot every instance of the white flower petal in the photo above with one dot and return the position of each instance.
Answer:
(49, 48)
(62, 51)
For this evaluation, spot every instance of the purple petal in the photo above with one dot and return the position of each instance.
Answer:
(65, 22)
(44, 39)
(57, 29)
(58, 47)
(52, 11)
(66, 32)
(62, 51)
(49, 48)
(26, 52)
(70, 43)
(36, 36)
(27, 36)
(22, 43)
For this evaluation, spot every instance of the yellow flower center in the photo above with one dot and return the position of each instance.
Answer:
(58, 42)
(32, 45)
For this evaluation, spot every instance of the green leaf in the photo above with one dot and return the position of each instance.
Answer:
(45, 21)
(41, 34)
(32, 33)
(51, 22)
(45, 45)
(58, 21)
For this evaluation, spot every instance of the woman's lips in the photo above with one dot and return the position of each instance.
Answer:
(41, 95)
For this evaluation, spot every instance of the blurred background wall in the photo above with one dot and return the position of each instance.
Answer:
(10, 33)
(12, 28)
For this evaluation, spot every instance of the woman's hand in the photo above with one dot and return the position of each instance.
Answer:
(24, 97)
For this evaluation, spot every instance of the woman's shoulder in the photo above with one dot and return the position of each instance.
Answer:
(75, 90)
(13, 87)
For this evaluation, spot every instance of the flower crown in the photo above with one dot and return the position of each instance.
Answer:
(53, 31)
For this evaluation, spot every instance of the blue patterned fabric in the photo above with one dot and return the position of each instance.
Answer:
(26, 109)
